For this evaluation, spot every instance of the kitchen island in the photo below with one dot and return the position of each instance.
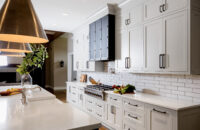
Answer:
(48, 114)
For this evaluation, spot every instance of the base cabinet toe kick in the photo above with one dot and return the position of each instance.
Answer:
(124, 112)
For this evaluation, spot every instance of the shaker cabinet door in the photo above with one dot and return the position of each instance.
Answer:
(122, 51)
(152, 9)
(176, 42)
(154, 45)
(173, 5)
(136, 49)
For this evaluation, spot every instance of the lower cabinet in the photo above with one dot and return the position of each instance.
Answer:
(96, 107)
(124, 113)
(114, 110)
(161, 118)
(114, 117)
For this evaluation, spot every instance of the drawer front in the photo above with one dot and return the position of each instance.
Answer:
(74, 100)
(89, 109)
(115, 100)
(99, 107)
(73, 88)
(134, 118)
(99, 115)
(127, 126)
(89, 101)
(132, 105)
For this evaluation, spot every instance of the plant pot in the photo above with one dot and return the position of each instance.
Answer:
(26, 81)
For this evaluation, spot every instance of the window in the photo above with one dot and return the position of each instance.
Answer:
(3, 61)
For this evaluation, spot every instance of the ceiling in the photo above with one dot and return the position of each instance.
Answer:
(66, 15)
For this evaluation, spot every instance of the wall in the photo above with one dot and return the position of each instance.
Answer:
(12, 60)
(56, 76)
(173, 86)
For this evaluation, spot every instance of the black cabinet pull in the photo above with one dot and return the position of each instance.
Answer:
(127, 62)
(134, 117)
(160, 9)
(162, 61)
(135, 105)
(162, 112)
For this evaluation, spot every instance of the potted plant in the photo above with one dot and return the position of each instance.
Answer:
(31, 62)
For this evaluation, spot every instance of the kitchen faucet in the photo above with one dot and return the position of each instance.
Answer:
(24, 97)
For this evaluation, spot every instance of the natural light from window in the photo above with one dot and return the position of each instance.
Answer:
(3, 61)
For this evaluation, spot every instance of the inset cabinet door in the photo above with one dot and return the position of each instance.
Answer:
(173, 5)
(161, 119)
(122, 51)
(114, 116)
(136, 48)
(152, 9)
(154, 45)
(137, 15)
(176, 42)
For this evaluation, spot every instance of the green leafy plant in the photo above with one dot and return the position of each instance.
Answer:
(33, 60)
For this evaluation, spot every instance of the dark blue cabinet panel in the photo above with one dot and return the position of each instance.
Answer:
(103, 31)
(104, 43)
(92, 41)
(98, 39)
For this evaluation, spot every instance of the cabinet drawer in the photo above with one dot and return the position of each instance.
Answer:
(99, 106)
(74, 100)
(132, 105)
(89, 102)
(89, 109)
(73, 88)
(127, 126)
(115, 100)
(99, 115)
(134, 118)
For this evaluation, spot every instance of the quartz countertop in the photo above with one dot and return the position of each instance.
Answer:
(166, 102)
(49, 114)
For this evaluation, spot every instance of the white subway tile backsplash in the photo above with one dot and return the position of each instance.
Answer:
(173, 86)
(195, 90)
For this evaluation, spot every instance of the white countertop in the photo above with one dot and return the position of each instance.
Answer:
(49, 114)
(169, 103)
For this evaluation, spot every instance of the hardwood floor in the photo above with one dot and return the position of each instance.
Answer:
(61, 95)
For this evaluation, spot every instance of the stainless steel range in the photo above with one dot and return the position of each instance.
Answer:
(97, 91)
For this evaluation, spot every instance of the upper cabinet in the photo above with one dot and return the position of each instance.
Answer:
(157, 8)
(102, 39)
(81, 52)
(159, 36)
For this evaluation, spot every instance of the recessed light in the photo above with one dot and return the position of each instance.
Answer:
(65, 14)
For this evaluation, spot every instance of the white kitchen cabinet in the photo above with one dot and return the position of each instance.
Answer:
(131, 50)
(152, 9)
(161, 118)
(166, 44)
(81, 52)
(122, 51)
(136, 49)
(154, 45)
(159, 8)
(114, 116)
(114, 112)
(132, 16)
(176, 42)
(174, 5)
